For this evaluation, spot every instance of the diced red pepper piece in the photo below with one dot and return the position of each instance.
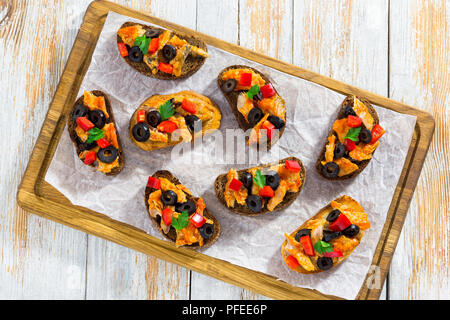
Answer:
(333, 254)
(292, 165)
(189, 106)
(103, 143)
(354, 122)
(154, 183)
(266, 192)
(377, 132)
(123, 49)
(270, 129)
(197, 220)
(90, 157)
(349, 144)
(267, 91)
(340, 223)
(84, 123)
(307, 245)
(167, 216)
(165, 67)
(167, 126)
(246, 80)
(140, 117)
(154, 45)
(292, 262)
(235, 185)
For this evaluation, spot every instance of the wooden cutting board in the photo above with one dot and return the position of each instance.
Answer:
(36, 195)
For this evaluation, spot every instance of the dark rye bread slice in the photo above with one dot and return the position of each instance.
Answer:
(232, 99)
(191, 65)
(324, 211)
(71, 125)
(172, 234)
(221, 181)
(348, 101)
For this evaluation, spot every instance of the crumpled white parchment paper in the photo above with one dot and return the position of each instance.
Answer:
(251, 242)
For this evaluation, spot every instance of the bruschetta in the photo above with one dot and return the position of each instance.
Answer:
(351, 142)
(326, 239)
(160, 53)
(181, 217)
(94, 134)
(165, 120)
(255, 102)
(261, 189)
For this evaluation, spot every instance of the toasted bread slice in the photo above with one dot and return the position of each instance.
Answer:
(232, 98)
(172, 234)
(348, 101)
(221, 181)
(191, 65)
(322, 214)
(80, 146)
(208, 125)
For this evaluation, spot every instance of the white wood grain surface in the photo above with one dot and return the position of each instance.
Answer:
(395, 48)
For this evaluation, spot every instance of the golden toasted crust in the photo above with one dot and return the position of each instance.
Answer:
(221, 180)
(154, 145)
(322, 212)
(172, 234)
(232, 98)
(361, 164)
(73, 136)
(191, 65)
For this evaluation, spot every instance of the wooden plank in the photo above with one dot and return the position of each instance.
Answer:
(208, 15)
(116, 272)
(345, 40)
(39, 259)
(36, 195)
(420, 75)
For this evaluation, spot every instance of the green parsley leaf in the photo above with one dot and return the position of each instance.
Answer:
(182, 221)
(94, 135)
(353, 134)
(253, 91)
(142, 42)
(321, 247)
(259, 179)
(166, 110)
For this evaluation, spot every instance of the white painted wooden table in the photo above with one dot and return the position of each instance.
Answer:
(396, 48)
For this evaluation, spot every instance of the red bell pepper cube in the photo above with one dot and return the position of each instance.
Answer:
(267, 91)
(245, 80)
(270, 129)
(340, 223)
(84, 123)
(189, 106)
(122, 49)
(266, 192)
(154, 183)
(103, 143)
(349, 144)
(197, 220)
(235, 185)
(377, 132)
(90, 157)
(140, 117)
(292, 262)
(167, 126)
(165, 67)
(333, 254)
(354, 122)
(167, 216)
(154, 45)
(292, 165)
(307, 245)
